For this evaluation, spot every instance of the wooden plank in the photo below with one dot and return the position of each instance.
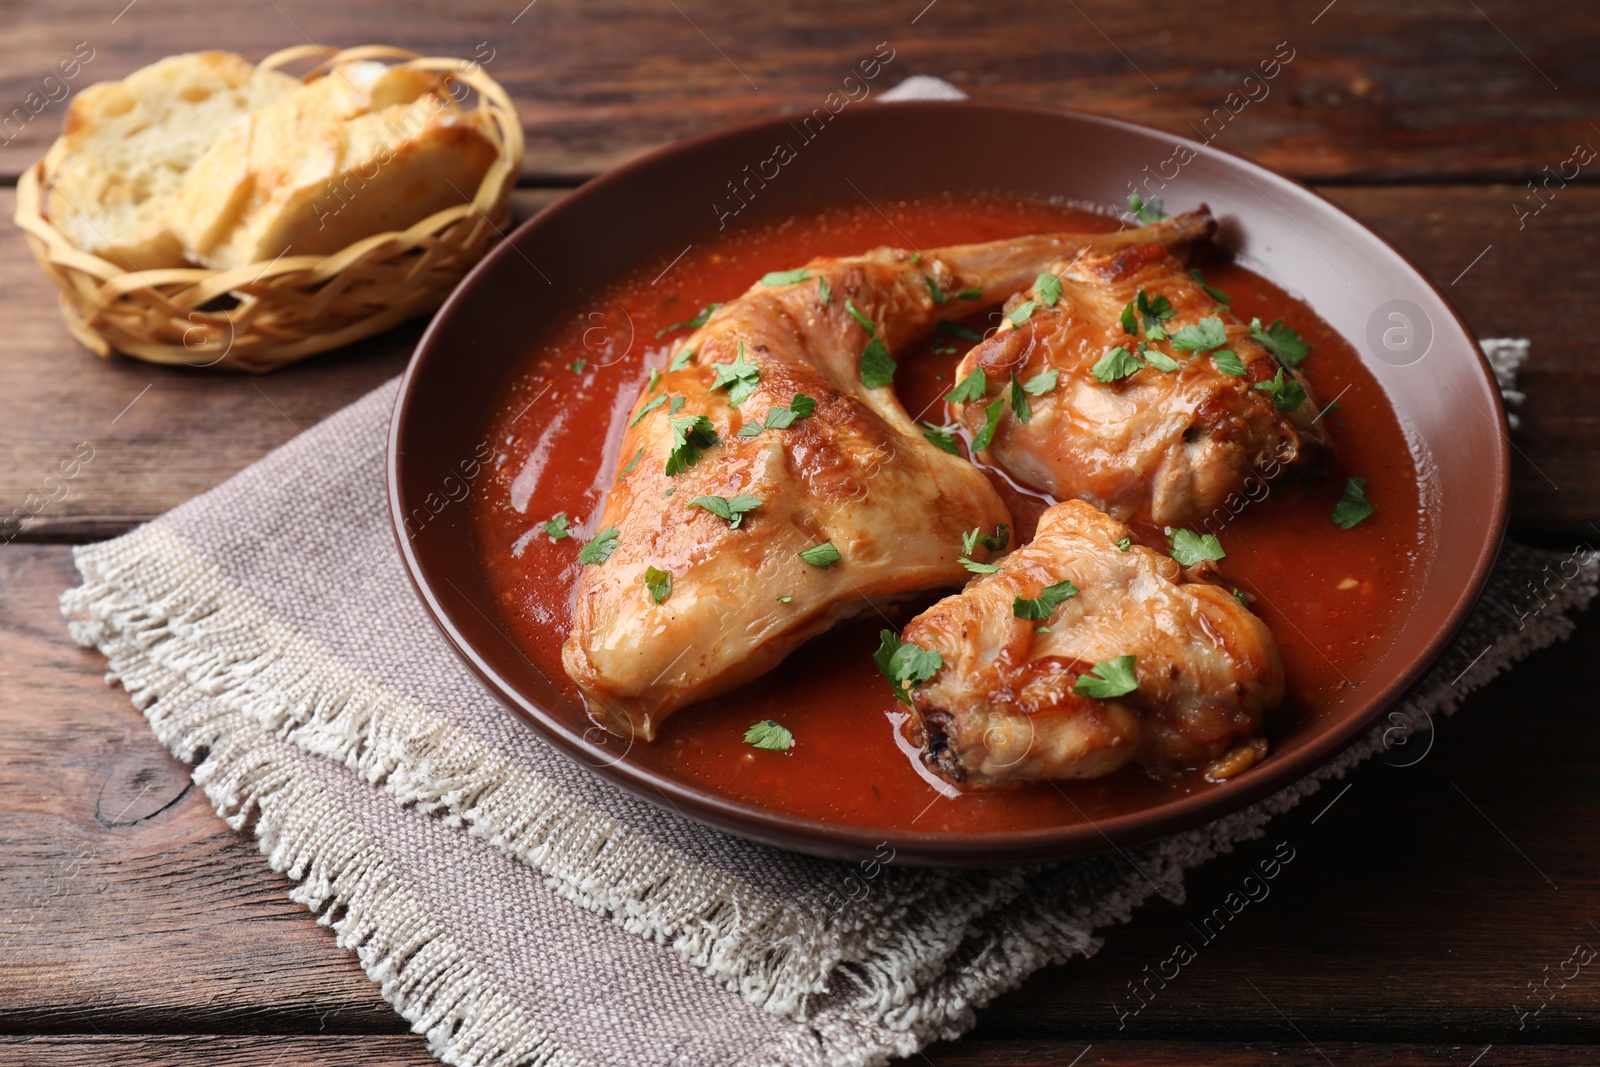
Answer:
(210, 1050)
(1415, 907)
(188, 430)
(1371, 91)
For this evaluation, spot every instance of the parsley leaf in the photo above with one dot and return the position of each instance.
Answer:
(647, 409)
(1201, 336)
(1047, 287)
(1160, 360)
(1045, 604)
(1019, 402)
(1115, 364)
(993, 542)
(1216, 294)
(1146, 211)
(866, 323)
(978, 568)
(785, 598)
(1353, 505)
(599, 550)
(877, 366)
(749, 429)
(769, 735)
(905, 664)
(741, 377)
(991, 423)
(824, 290)
(1154, 309)
(1282, 341)
(823, 555)
(731, 511)
(972, 387)
(1124, 544)
(1286, 394)
(577, 365)
(975, 293)
(690, 434)
(693, 324)
(659, 583)
(681, 360)
(940, 438)
(632, 463)
(655, 380)
(557, 526)
(953, 329)
(1022, 312)
(1189, 548)
(1228, 362)
(781, 418)
(1130, 324)
(785, 277)
(1042, 383)
(1110, 678)
(935, 292)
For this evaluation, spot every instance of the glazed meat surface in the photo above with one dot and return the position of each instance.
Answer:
(854, 472)
(1002, 709)
(1164, 445)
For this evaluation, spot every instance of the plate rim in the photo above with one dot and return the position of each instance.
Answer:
(923, 848)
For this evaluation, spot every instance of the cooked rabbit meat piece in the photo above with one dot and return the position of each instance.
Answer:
(1002, 709)
(856, 472)
(1166, 446)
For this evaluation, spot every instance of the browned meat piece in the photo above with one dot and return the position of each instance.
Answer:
(1002, 709)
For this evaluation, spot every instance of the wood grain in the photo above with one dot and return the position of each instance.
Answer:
(188, 430)
(1373, 91)
(1417, 907)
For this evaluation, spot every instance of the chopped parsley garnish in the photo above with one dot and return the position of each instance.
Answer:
(1216, 294)
(557, 526)
(877, 366)
(1287, 394)
(1124, 544)
(1333, 405)
(953, 329)
(935, 292)
(1241, 596)
(823, 555)
(1228, 362)
(940, 438)
(1189, 548)
(994, 542)
(978, 568)
(1042, 383)
(1201, 336)
(905, 664)
(1110, 678)
(647, 409)
(599, 550)
(1045, 604)
(1353, 505)
(1019, 402)
(675, 406)
(693, 324)
(972, 387)
(781, 418)
(991, 423)
(1146, 211)
(975, 293)
(824, 290)
(866, 323)
(1115, 364)
(785, 277)
(577, 365)
(741, 377)
(1130, 324)
(690, 435)
(1047, 287)
(1282, 341)
(731, 511)
(769, 735)
(659, 583)
(1022, 312)
(785, 598)
(681, 360)
(1154, 310)
(655, 380)
(749, 429)
(632, 463)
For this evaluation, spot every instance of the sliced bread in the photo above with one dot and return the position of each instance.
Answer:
(127, 146)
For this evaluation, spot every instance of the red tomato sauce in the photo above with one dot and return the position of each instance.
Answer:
(1331, 596)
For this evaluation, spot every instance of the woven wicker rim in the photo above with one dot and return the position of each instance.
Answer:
(293, 306)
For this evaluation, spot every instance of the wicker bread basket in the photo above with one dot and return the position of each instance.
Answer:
(265, 315)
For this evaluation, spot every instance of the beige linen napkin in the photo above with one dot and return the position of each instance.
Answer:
(515, 908)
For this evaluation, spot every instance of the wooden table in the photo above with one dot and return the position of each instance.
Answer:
(1424, 903)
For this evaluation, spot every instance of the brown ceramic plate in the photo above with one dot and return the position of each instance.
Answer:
(1425, 360)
